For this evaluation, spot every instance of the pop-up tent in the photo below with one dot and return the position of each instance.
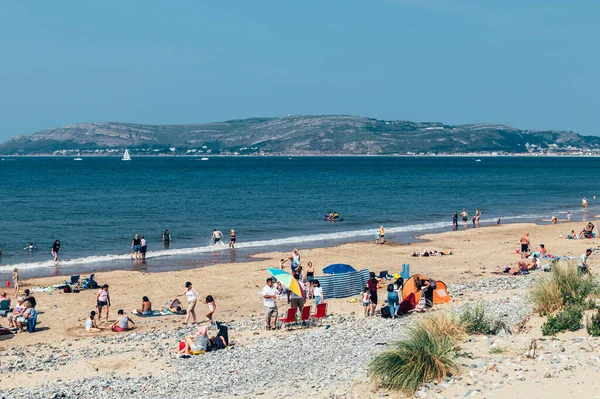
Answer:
(440, 294)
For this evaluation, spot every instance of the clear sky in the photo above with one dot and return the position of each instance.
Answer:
(529, 64)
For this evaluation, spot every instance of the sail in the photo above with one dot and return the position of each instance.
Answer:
(126, 156)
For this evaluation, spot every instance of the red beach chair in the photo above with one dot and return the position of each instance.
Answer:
(291, 317)
(305, 315)
(321, 312)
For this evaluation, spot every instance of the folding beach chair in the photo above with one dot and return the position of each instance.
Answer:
(305, 316)
(4, 307)
(321, 312)
(290, 318)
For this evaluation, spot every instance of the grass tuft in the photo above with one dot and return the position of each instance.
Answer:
(475, 321)
(424, 356)
(564, 286)
(444, 324)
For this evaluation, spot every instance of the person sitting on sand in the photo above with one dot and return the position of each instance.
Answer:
(175, 306)
(122, 322)
(201, 342)
(91, 324)
(544, 252)
(146, 307)
(588, 232)
(571, 236)
(535, 264)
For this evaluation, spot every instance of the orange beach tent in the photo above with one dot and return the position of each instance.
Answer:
(440, 294)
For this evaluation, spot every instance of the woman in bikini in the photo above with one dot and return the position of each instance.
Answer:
(310, 278)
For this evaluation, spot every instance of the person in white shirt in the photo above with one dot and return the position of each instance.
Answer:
(192, 296)
(317, 292)
(583, 261)
(270, 301)
(144, 247)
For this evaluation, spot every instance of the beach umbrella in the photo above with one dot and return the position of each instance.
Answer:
(287, 280)
(338, 268)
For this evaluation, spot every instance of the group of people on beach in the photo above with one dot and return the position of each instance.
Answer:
(19, 316)
(465, 218)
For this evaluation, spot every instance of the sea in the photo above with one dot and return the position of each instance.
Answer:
(96, 206)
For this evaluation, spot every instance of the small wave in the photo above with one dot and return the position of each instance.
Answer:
(291, 241)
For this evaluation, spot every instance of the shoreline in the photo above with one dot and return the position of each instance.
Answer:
(183, 258)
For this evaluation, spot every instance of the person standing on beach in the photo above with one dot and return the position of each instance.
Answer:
(583, 261)
(455, 220)
(568, 216)
(216, 236)
(294, 300)
(103, 301)
(192, 296)
(270, 301)
(55, 249)
(143, 248)
(381, 235)
(584, 203)
(15, 281)
(294, 260)
(465, 217)
(525, 243)
(232, 239)
(477, 216)
(373, 285)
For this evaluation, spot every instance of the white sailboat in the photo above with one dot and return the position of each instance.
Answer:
(78, 157)
(126, 156)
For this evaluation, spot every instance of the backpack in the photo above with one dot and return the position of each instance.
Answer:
(385, 312)
(67, 289)
(432, 284)
(390, 288)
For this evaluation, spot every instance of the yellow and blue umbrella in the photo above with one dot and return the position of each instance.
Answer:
(287, 280)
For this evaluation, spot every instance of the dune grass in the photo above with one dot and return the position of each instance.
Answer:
(444, 324)
(565, 285)
(424, 356)
(476, 321)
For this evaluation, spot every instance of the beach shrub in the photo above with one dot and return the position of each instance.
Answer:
(593, 325)
(424, 356)
(444, 324)
(564, 286)
(476, 321)
(567, 319)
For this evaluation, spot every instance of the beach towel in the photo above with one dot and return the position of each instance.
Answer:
(154, 313)
(166, 311)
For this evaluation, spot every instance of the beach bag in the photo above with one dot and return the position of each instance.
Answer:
(32, 321)
(385, 312)
(67, 289)
(432, 284)
(390, 288)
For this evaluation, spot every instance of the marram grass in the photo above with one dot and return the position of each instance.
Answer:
(424, 356)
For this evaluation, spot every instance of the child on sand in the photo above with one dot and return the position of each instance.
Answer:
(91, 325)
(122, 322)
(366, 301)
(15, 279)
(212, 306)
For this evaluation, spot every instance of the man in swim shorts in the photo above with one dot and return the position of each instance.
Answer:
(524, 245)
(465, 217)
(216, 236)
(381, 235)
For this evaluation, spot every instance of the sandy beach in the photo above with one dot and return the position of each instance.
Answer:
(62, 353)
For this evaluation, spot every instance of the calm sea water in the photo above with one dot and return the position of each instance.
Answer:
(97, 205)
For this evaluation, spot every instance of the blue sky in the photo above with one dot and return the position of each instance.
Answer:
(525, 63)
